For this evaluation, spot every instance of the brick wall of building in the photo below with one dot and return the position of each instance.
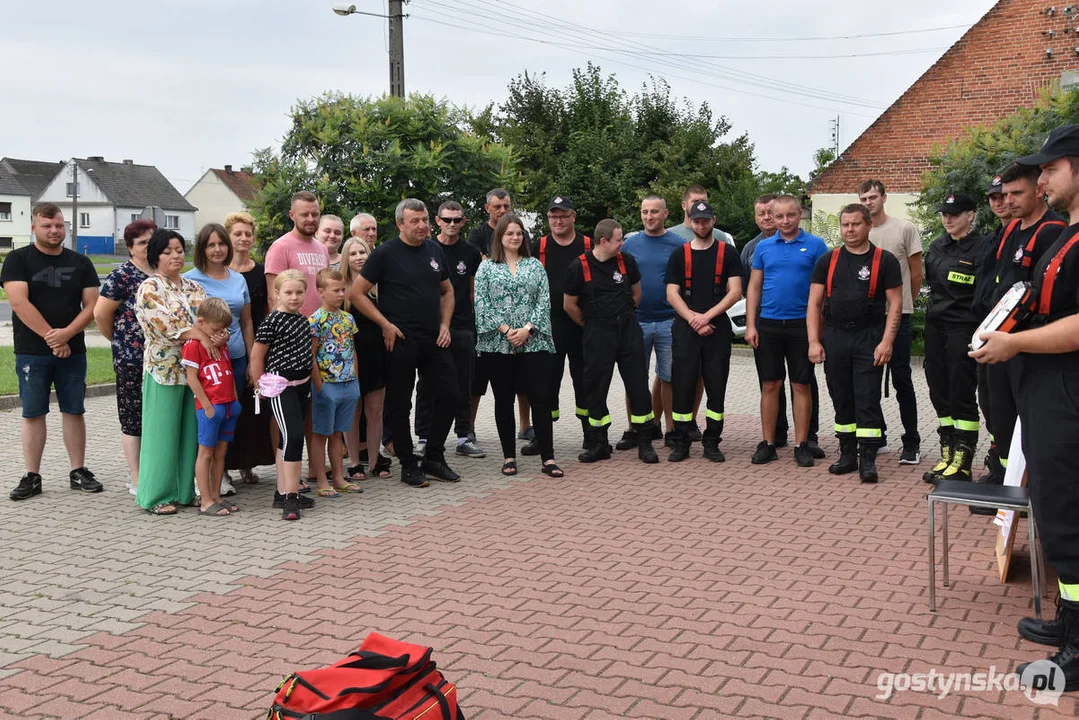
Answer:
(998, 66)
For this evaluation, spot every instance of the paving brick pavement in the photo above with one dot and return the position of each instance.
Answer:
(624, 590)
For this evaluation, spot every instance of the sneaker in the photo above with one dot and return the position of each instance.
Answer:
(227, 490)
(529, 433)
(83, 479)
(29, 486)
(695, 434)
(133, 489)
(420, 449)
(765, 453)
(815, 450)
(290, 509)
(910, 455)
(306, 503)
(885, 450)
(469, 448)
(414, 477)
(439, 470)
(628, 441)
(803, 456)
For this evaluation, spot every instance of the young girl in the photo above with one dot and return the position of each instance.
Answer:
(283, 348)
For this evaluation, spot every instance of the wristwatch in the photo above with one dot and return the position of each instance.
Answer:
(532, 330)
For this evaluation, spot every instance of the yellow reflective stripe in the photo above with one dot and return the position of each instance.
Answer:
(961, 278)
(991, 438)
(555, 414)
(846, 428)
(582, 412)
(967, 425)
(682, 417)
(946, 422)
(1004, 462)
(602, 422)
(638, 419)
(1069, 592)
(869, 433)
(713, 415)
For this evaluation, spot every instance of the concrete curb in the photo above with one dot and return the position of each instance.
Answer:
(9, 402)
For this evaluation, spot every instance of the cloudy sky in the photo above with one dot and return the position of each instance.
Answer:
(193, 84)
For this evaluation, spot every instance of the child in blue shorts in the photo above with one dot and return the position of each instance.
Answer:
(335, 389)
(216, 406)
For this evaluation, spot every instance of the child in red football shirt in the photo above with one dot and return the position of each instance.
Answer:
(216, 406)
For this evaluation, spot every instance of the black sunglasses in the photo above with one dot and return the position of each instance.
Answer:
(452, 221)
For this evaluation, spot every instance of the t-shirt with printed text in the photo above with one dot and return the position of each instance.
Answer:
(292, 252)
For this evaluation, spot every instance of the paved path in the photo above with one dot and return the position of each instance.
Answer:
(624, 590)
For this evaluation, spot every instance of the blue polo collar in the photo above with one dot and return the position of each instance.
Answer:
(799, 238)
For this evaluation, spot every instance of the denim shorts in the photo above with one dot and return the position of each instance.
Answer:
(221, 427)
(38, 374)
(333, 407)
(658, 335)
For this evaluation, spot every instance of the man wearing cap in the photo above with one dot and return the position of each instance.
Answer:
(601, 293)
(902, 240)
(704, 279)
(651, 248)
(776, 325)
(556, 251)
(1048, 395)
(857, 295)
(950, 265)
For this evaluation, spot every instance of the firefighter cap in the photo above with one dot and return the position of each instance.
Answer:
(955, 203)
(996, 186)
(560, 202)
(701, 209)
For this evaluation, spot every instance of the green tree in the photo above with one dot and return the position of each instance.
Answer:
(606, 149)
(367, 154)
(822, 158)
(969, 162)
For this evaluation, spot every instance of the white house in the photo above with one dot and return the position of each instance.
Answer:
(113, 194)
(221, 192)
(21, 182)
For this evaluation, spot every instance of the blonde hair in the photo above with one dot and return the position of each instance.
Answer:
(326, 276)
(215, 310)
(239, 217)
(288, 276)
(346, 269)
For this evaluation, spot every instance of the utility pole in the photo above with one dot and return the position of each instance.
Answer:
(397, 48)
(835, 136)
(74, 205)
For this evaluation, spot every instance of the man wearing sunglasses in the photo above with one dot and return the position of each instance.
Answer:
(462, 261)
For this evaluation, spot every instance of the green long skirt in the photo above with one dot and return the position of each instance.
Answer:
(169, 445)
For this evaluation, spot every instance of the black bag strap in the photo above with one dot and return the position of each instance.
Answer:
(367, 660)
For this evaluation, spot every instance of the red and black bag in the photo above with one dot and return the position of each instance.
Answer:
(384, 680)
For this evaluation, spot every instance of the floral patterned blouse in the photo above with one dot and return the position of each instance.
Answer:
(502, 297)
(166, 312)
(127, 340)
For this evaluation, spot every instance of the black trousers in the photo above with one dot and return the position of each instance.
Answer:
(530, 374)
(854, 383)
(695, 357)
(463, 351)
(952, 377)
(782, 426)
(608, 343)
(999, 408)
(903, 382)
(569, 343)
(1049, 408)
(436, 365)
(289, 409)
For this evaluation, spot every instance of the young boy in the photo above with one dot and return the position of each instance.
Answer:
(335, 389)
(216, 406)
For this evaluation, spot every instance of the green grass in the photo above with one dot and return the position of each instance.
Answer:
(98, 369)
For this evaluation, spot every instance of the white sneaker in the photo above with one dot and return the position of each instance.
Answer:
(133, 489)
(226, 487)
(420, 449)
(884, 450)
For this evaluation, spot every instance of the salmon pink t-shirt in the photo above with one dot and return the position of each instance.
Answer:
(292, 252)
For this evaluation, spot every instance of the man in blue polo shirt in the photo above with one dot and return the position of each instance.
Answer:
(776, 324)
(652, 248)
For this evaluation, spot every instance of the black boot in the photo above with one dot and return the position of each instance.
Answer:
(932, 475)
(599, 449)
(645, 451)
(712, 451)
(1066, 658)
(1043, 632)
(993, 476)
(867, 463)
(848, 456)
(679, 445)
(628, 441)
(586, 431)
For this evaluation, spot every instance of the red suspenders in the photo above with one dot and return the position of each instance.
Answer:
(720, 252)
(543, 248)
(586, 269)
(1030, 243)
(1045, 301)
(874, 274)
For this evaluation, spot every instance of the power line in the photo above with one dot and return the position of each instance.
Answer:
(911, 51)
(812, 38)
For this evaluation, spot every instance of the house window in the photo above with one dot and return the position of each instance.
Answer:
(6, 242)
(172, 222)
(5, 211)
(84, 220)
(71, 189)
(135, 217)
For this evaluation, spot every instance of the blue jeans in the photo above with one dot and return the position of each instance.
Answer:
(38, 374)
(658, 335)
(899, 367)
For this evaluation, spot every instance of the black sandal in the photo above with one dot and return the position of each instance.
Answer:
(552, 470)
(509, 467)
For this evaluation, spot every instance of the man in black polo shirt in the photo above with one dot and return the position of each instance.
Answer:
(601, 293)
(848, 292)
(415, 307)
(462, 260)
(556, 251)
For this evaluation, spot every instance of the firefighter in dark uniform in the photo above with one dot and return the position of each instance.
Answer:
(556, 251)
(1011, 258)
(856, 292)
(952, 377)
(601, 292)
(1047, 366)
(704, 279)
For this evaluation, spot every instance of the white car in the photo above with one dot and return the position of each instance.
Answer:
(737, 316)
